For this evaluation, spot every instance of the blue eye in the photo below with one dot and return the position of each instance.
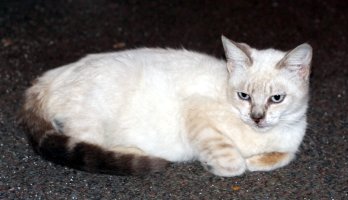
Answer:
(243, 96)
(277, 98)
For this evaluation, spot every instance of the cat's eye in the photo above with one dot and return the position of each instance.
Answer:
(277, 98)
(243, 96)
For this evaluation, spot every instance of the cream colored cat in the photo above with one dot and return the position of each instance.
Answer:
(132, 112)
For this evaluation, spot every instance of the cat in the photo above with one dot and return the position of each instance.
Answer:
(134, 112)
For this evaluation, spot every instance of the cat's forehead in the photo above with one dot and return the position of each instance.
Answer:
(262, 76)
(265, 86)
(260, 83)
(265, 60)
(263, 73)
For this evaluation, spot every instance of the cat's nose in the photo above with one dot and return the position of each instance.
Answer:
(257, 117)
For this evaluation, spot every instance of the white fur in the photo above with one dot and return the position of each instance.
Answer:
(138, 99)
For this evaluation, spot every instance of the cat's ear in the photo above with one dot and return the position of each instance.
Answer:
(237, 54)
(298, 60)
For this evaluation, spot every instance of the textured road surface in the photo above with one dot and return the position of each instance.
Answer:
(38, 35)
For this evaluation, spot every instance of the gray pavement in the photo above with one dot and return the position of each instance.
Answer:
(38, 35)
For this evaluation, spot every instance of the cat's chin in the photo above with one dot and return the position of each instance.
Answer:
(261, 127)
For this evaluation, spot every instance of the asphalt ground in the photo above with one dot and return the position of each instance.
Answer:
(37, 35)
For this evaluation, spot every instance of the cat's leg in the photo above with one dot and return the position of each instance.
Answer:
(214, 150)
(269, 161)
(217, 153)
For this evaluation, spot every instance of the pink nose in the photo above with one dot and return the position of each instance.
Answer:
(257, 117)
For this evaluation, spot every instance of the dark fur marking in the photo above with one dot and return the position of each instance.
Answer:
(109, 162)
(54, 148)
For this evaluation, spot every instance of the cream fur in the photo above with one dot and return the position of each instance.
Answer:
(167, 103)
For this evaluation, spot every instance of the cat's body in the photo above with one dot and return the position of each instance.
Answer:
(140, 108)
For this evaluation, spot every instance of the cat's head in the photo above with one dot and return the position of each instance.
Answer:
(268, 87)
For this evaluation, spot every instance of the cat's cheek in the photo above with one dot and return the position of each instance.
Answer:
(272, 118)
(244, 115)
(271, 121)
(246, 119)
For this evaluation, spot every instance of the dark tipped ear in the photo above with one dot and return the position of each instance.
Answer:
(298, 60)
(237, 54)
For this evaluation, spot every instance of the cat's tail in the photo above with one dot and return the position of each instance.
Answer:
(62, 149)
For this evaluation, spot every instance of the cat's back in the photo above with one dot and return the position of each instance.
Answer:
(150, 55)
(154, 58)
(171, 61)
(175, 66)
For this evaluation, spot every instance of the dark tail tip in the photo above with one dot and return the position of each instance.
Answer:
(96, 159)
(93, 158)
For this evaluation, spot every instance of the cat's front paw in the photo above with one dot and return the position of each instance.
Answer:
(225, 166)
(268, 161)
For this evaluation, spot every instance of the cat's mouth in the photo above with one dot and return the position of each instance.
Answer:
(262, 126)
